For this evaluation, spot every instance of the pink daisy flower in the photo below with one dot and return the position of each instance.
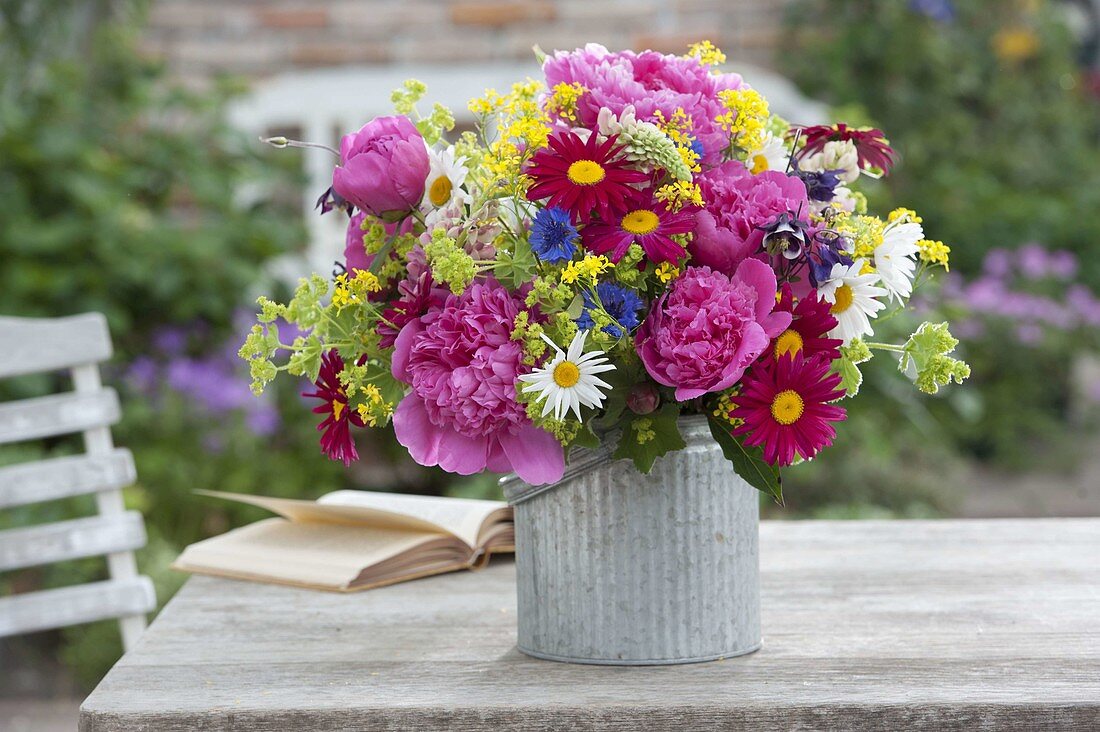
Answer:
(785, 406)
(648, 222)
(809, 327)
(580, 176)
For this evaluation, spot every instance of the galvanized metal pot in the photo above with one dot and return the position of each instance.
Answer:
(615, 567)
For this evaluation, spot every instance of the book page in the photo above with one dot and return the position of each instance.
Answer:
(466, 518)
(324, 555)
(359, 514)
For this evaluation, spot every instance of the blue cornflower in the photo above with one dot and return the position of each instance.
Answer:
(697, 147)
(553, 236)
(621, 303)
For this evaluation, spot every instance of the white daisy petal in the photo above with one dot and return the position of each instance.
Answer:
(564, 397)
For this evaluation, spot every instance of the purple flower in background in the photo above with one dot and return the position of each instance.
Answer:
(143, 374)
(997, 263)
(942, 11)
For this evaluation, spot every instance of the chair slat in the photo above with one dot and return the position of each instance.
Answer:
(33, 345)
(86, 537)
(88, 603)
(76, 475)
(57, 414)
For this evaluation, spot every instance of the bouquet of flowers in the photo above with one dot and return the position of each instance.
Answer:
(634, 238)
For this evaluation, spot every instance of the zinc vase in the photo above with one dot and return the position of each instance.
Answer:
(619, 568)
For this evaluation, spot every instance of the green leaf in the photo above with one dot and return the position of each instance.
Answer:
(748, 462)
(586, 438)
(646, 438)
(518, 266)
(850, 376)
(576, 307)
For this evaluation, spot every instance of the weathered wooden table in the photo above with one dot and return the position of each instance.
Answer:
(867, 625)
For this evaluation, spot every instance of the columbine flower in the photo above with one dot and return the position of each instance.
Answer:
(336, 440)
(568, 381)
(621, 303)
(446, 175)
(785, 407)
(809, 329)
(895, 257)
(553, 236)
(771, 155)
(871, 145)
(646, 221)
(852, 296)
(580, 176)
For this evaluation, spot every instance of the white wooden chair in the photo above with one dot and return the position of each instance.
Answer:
(77, 344)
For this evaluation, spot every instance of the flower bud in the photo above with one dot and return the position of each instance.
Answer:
(643, 398)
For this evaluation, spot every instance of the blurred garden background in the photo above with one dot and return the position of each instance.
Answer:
(132, 183)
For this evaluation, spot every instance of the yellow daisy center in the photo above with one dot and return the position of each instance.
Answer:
(787, 407)
(440, 191)
(337, 409)
(844, 297)
(586, 172)
(640, 222)
(789, 341)
(566, 374)
(759, 164)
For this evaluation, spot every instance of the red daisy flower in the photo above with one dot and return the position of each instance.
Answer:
(580, 176)
(646, 221)
(871, 144)
(785, 407)
(810, 323)
(336, 440)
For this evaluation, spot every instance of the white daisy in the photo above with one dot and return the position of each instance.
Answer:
(772, 155)
(895, 257)
(853, 298)
(568, 380)
(446, 175)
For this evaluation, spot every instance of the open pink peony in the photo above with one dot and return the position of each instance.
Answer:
(702, 335)
(382, 167)
(652, 82)
(462, 413)
(737, 203)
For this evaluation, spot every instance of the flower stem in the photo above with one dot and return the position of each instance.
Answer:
(886, 347)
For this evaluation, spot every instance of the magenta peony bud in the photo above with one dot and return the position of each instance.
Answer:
(383, 167)
(643, 398)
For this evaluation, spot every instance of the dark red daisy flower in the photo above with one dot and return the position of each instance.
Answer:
(646, 221)
(581, 176)
(871, 144)
(336, 440)
(785, 406)
(811, 321)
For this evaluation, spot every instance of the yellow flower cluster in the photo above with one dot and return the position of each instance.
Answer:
(353, 291)
(905, 214)
(667, 271)
(522, 127)
(707, 53)
(934, 252)
(678, 128)
(591, 267)
(680, 193)
(865, 232)
(745, 118)
(374, 410)
(563, 100)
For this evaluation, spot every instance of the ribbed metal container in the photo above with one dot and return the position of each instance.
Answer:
(615, 567)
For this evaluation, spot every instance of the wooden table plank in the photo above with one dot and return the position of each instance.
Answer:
(867, 625)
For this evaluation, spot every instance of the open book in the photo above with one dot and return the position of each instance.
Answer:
(354, 540)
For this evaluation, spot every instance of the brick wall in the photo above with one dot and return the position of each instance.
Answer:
(261, 38)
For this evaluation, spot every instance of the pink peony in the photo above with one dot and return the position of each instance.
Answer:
(702, 335)
(650, 81)
(462, 413)
(737, 203)
(383, 166)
